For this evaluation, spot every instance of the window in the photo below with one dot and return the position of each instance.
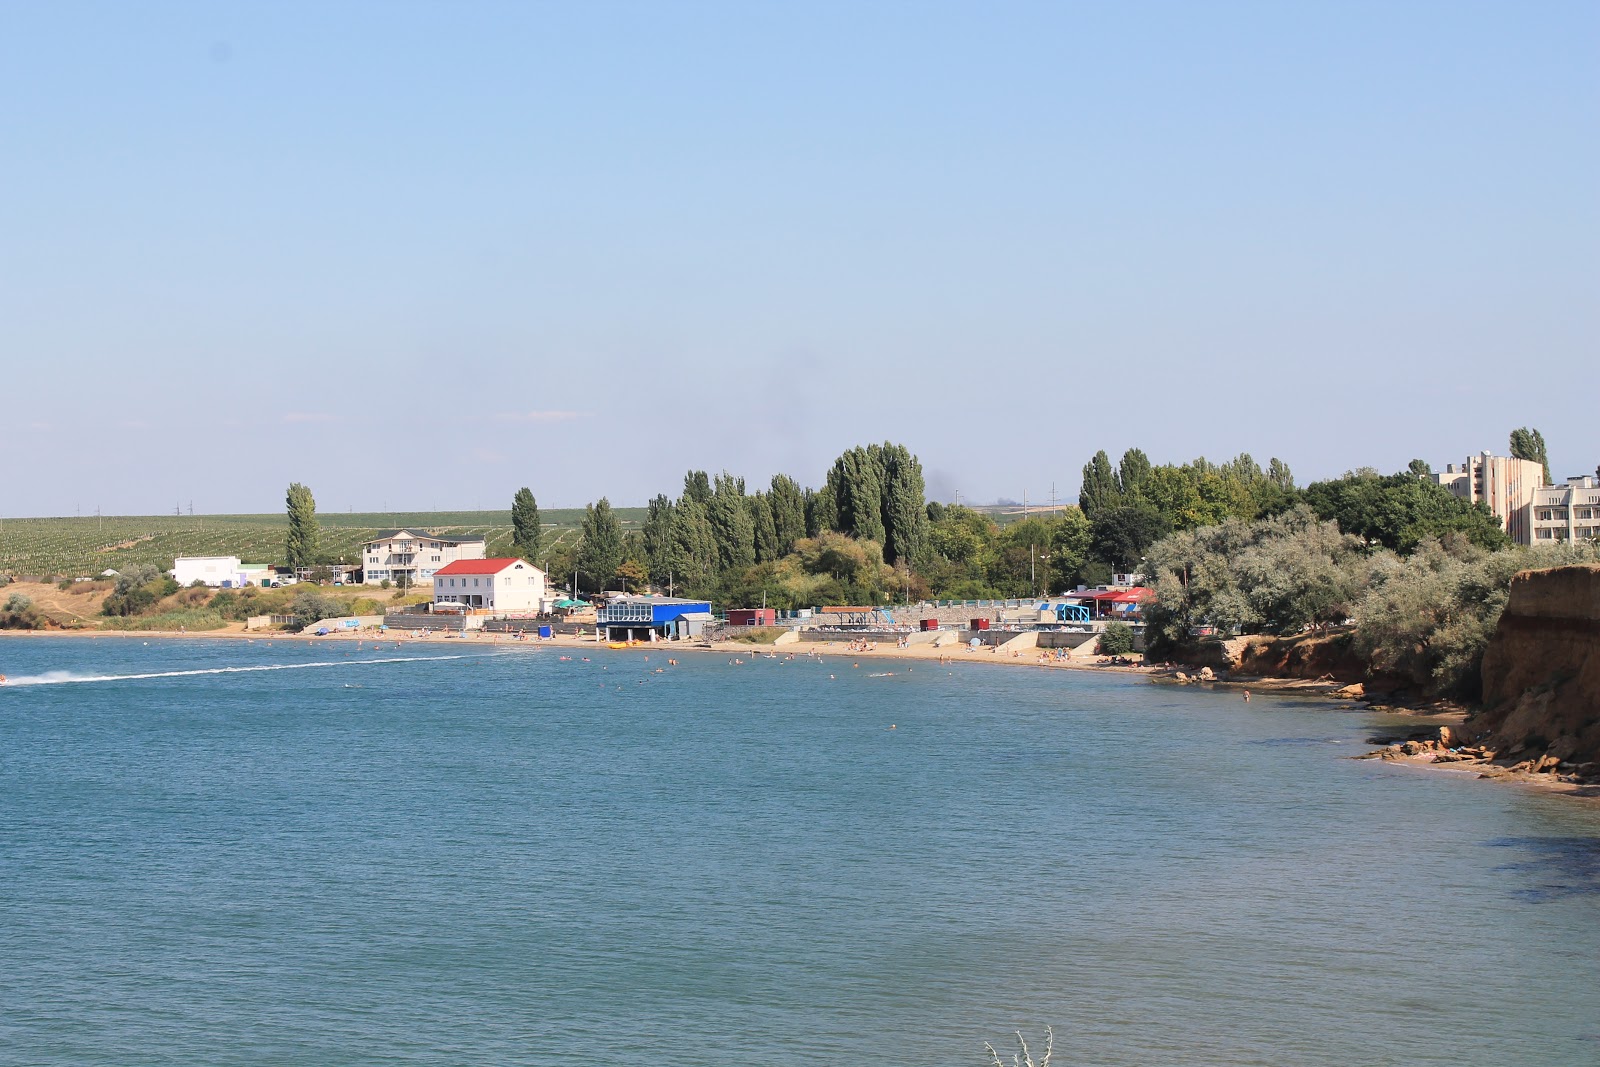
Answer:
(1543, 535)
(474, 581)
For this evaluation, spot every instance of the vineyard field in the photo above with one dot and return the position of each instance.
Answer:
(81, 547)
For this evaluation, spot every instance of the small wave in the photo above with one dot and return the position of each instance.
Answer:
(74, 678)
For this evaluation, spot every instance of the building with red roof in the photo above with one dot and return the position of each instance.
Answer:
(507, 585)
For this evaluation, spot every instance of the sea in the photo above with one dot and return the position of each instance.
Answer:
(292, 852)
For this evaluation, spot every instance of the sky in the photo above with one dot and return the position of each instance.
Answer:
(417, 255)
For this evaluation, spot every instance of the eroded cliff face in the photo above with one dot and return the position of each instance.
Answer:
(1541, 671)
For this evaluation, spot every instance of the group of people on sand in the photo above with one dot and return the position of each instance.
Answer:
(862, 646)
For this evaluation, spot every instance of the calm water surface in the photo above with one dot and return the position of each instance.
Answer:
(510, 859)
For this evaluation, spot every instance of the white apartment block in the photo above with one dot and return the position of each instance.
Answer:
(1568, 511)
(505, 585)
(412, 556)
(1504, 484)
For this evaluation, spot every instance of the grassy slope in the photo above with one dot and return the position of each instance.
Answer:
(87, 546)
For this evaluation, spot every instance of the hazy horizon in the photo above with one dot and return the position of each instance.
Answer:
(416, 256)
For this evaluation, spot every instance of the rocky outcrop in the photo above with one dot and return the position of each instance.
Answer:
(1541, 670)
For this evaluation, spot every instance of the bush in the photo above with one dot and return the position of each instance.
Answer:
(1117, 640)
(64, 584)
(20, 614)
(384, 584)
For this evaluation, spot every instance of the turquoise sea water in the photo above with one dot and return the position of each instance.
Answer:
(447, 856)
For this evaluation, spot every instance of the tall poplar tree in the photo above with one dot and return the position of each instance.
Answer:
(600, 553)
(300, 547)
(788, 512)
(658, 537)
(731, 524)
(1099, 490)
(905, 509)
(526, 532)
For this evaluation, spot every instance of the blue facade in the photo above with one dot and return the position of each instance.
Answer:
(665, 613)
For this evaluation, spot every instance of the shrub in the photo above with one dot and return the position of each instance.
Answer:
(384, 584)
(1117, 640)
(20, 614)
(64, 584)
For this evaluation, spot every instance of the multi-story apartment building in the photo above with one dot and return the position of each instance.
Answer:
(1505, 485)
(410, 556)
(1567, 511)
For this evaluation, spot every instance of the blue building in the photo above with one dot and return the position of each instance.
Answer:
(637, 618)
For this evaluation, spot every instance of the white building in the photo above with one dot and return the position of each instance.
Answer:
(1505, 485)
(224, 572)
(410, 556)
(511, 586)
(1567, 512)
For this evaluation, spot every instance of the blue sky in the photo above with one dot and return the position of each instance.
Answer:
(418, 255)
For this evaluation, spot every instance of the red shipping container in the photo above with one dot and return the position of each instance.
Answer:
(979, 624)
(930, 624)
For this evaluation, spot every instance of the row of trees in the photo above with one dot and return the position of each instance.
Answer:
(868, 534)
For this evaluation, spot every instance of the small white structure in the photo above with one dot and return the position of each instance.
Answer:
(507, 585)
(222, 572)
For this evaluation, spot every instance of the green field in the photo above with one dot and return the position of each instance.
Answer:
(76, 547)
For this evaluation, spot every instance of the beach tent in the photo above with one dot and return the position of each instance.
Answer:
(565, 604)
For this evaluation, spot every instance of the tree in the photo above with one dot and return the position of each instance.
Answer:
(600, 553)
(1116, 639)
(526, 532)
(788, 512)
(1529, 444)
(905, 511)
(766, 528)
(1132, 471)
(1278, 474)
(1121, 536)
(692, 549)
(1099, 489)
(300, 548)
(634, 575)
(857, 481)
(1420, 468)
(697, 487)
(822, 511)
(658, 537)
(1400, 511)
(1069, 550)
(731, 525)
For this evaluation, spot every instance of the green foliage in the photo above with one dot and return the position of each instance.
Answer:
(1116, 639)
(1132, 471)
(526, 532)
(1529, 444)
(1099, 490)
(1121, 536)
(697, 487)
(192, 619)
(658, 537)
(20, 614)
(1279, 576)
(731, 526)
(634, 575)
(766, 528)
(309, 606)
(1400, 511)
(600, 552)
(1430, 619)
(137, 590)
(300, 546)
(788, 504)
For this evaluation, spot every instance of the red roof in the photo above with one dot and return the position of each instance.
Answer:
(1116, 596)
(478, 566)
